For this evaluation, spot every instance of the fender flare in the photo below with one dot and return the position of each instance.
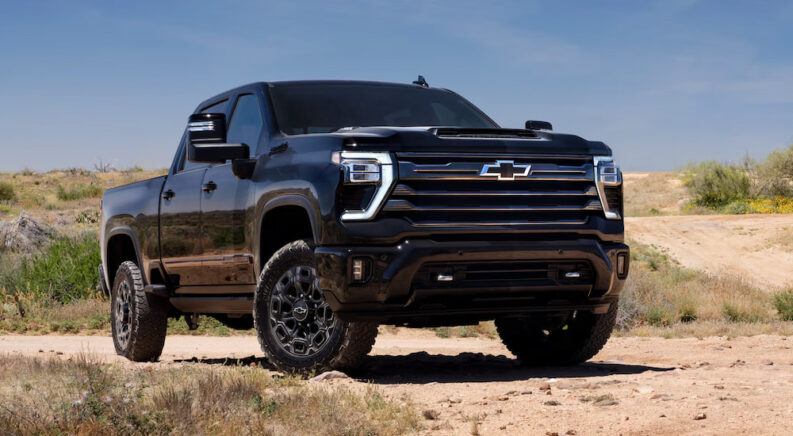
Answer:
(291, 200)
(284, 200)
(116, 231)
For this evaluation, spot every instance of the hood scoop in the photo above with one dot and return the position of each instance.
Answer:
(458, 132)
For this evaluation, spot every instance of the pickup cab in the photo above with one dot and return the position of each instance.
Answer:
(313, 211)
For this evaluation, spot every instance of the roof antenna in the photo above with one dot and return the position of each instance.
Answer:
(421, 82)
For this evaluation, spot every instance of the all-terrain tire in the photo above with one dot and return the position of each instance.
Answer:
(140, 334)
(344, 348)
(577, 341)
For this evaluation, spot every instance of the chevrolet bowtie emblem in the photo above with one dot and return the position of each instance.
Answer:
(505, 170)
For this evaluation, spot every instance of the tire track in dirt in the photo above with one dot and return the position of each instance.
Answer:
(757, 248)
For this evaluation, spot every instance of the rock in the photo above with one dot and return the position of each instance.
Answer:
(545, 387)
(571, 432)
(700, 416)
(431, 414)
(768, 362)
(642, 389)
(664, 397)
(526, 392)
(24, 235)
(720, 387)
(329, 375)
(455, 400)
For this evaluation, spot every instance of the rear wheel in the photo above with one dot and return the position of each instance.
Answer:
(296, 328)
(561, 340)
(138, 319)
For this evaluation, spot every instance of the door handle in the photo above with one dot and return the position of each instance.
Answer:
(209, 187)
(168, 194)
(279, 148)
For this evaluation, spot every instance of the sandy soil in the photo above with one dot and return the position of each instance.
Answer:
(741, 245)
(657, 386)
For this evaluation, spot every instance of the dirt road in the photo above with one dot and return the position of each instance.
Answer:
(634, 386)
(758, 248)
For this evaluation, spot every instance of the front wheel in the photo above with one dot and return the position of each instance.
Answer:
(138, 319)
(557, 340)
(296, 328)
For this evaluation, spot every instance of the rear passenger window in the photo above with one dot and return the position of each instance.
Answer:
(246, 122)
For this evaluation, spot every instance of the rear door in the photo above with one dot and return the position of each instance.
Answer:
(226, 204)
(180, 216)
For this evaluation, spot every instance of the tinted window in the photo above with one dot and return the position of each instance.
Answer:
(246, 121)
(322, 108)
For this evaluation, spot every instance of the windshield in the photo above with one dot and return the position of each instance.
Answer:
(327, 107)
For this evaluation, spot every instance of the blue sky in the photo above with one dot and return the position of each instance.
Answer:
(663, 82)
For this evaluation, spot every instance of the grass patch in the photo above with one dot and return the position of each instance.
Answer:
(64, 271)
(7, 192)
(82, 396)
(78, 192)
(29, 316)
(660, 293)
(783, 303)
(486, 329)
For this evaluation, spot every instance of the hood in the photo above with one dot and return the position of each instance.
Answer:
(455, 139)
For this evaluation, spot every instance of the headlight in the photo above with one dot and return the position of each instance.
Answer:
(364, 172)
(608, 178)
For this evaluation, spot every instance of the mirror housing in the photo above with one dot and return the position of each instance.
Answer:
(216, 153)
(538, 125)
(207, 128)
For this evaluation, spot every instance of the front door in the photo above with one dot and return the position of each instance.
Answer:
(225, 199)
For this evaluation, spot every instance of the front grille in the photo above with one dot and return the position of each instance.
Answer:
(442, 189)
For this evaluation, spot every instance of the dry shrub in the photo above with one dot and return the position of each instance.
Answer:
(83, 396)
(661, 293)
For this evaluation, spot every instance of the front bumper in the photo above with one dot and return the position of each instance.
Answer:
(489, 279)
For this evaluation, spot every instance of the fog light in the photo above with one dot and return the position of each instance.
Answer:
(361, 266)
(622, 265)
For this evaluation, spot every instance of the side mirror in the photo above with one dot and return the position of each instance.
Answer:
(538, 125)
(207, 140)
(207, 128)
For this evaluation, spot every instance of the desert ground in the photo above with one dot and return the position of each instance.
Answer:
(474, 386)
(756, 248)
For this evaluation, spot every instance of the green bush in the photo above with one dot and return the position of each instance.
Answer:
(78, 192)
(7, 192)
(714, 185)
(63, 272)
(775, 174)
(783, 303)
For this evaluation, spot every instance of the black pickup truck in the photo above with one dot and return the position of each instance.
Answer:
(324, 208)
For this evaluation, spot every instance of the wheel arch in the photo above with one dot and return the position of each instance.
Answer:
(294, 219)
(122, 245)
